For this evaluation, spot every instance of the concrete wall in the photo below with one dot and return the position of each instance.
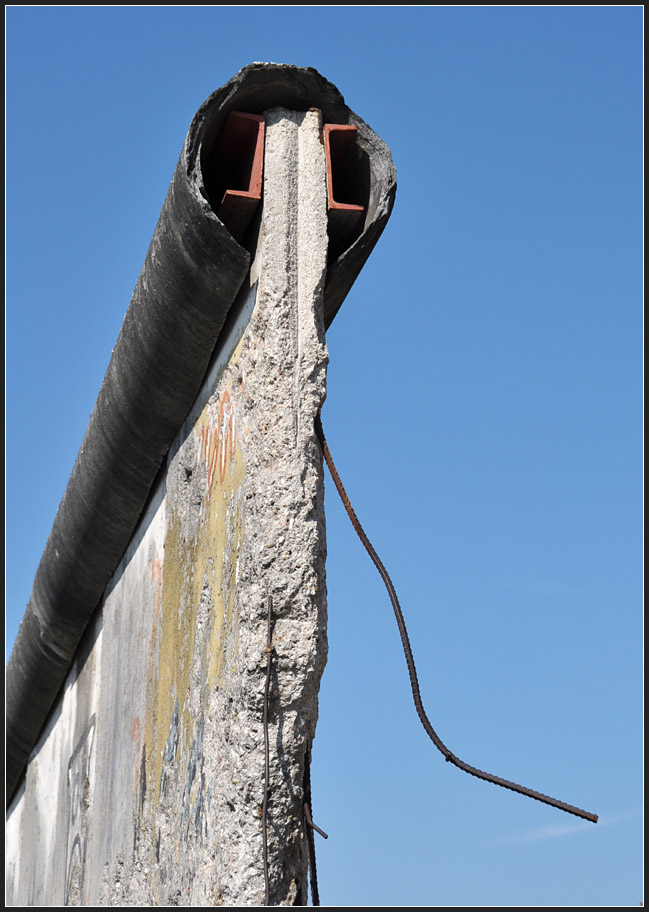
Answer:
(147, 782)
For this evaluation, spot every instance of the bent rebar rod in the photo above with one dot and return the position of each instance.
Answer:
(414, 683)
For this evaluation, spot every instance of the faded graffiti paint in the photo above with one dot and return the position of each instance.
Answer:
(197, 571)
(79, 801)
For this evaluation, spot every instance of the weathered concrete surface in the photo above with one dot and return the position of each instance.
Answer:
(146, 786)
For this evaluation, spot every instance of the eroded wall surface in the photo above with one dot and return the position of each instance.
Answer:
(147, 783)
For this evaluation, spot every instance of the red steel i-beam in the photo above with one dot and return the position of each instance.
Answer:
(339, 140)
(240, 151)
(239, 157)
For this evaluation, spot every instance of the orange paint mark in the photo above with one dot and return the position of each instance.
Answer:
(218, 444)
(156, 571)
(226, 434)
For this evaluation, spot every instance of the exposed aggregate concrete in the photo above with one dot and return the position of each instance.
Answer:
(274, 520)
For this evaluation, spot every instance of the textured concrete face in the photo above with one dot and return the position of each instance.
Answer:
(147, 784)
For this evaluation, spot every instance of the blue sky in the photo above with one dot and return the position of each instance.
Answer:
(484, 406)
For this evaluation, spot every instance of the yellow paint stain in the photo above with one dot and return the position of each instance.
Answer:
(203, 567)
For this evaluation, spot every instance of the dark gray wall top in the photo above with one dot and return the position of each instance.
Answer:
(190, 278)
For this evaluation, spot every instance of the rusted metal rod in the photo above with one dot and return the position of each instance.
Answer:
(310, 827)
(264, 808)
(307, 814)
(430, 731)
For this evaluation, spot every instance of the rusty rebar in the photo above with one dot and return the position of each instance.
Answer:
(414, 684)
(314, 826)
(264, 807)
(310, 827)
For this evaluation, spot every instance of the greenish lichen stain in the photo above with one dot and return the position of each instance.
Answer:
(195, 627)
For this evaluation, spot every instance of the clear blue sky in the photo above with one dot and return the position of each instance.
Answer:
(484, 408)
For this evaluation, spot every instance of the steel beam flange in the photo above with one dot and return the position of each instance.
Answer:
(344, 191)
(239, 162)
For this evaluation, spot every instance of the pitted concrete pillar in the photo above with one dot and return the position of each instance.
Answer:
(284, 371)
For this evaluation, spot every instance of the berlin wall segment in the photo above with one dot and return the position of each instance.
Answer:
(239, 516)
(146, 783)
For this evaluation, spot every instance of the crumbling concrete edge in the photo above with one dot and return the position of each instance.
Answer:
(154, 375)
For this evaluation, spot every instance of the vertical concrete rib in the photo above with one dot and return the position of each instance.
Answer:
(291, 283)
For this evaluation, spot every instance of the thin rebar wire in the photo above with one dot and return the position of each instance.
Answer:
(264, 808)
(310, 827)
(414, 683)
